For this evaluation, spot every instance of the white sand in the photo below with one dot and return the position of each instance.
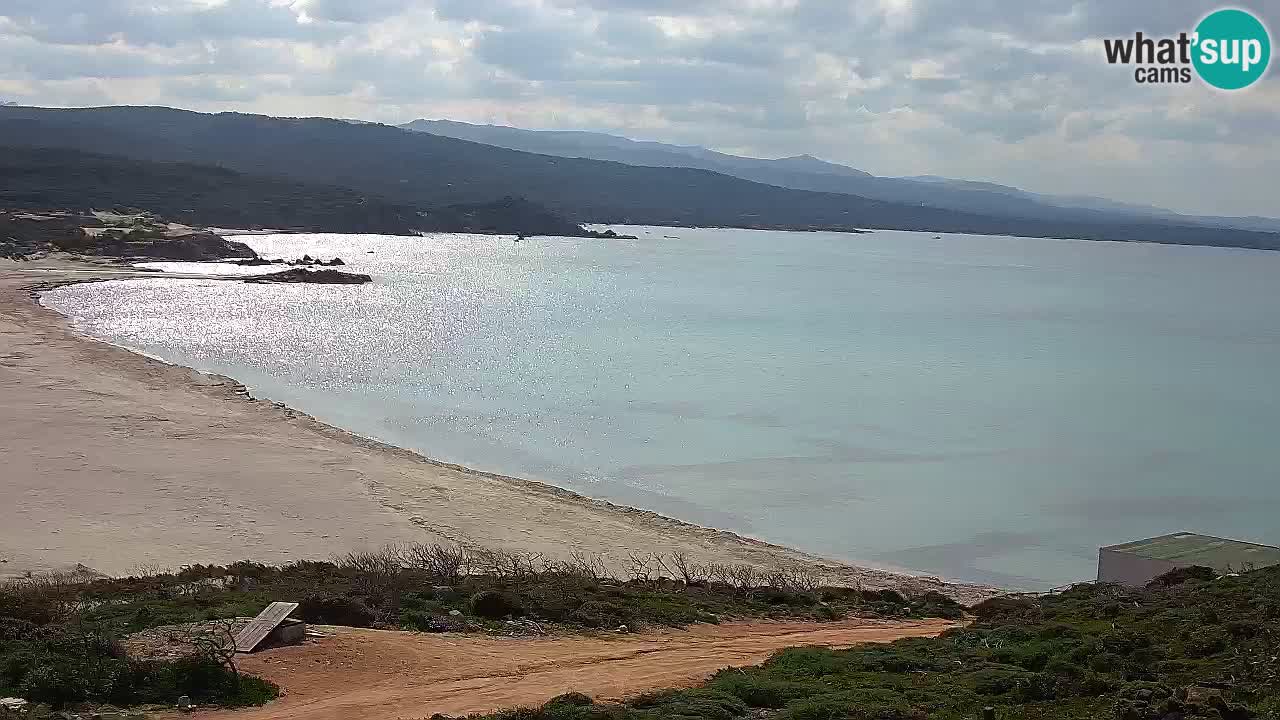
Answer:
(116, 461)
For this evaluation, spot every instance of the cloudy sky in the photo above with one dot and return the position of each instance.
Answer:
(1013, 91)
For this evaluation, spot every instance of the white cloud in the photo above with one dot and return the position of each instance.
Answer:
(1014, 91)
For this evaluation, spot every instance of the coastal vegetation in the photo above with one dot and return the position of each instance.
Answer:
(61, 635)
(1191, 645)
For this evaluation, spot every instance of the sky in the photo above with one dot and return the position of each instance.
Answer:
(1011, 91)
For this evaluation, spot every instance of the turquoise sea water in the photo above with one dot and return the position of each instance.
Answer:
(985, 408)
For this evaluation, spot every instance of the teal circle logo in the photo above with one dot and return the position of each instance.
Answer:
(1232, 49)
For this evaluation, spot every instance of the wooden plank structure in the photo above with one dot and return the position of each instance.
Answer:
(260, 627)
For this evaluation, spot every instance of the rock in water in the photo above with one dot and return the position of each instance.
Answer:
(299, 275)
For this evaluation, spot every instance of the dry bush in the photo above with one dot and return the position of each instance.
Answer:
(795, 578)
(582, 565)
(379, 574)
(641, 567)
(213, 641)
(445, 564)
(507, 565)
(149, 570)
(717, 572)
(54, 595)
(742, 575)
(387, 560)
(682, 567)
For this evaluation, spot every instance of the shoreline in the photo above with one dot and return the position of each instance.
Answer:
(337, 490)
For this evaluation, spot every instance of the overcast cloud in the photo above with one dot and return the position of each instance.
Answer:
(1013, 91)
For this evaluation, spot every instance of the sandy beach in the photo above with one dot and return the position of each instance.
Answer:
(116, 461)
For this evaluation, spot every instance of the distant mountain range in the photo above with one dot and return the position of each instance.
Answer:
(805, 172)
(436, 176)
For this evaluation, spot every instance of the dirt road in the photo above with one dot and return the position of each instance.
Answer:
(372, 674)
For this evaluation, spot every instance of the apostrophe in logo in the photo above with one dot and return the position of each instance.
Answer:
(1229, 50)
(1232, 49)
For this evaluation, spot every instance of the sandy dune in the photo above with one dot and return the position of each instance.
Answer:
(115, 460)
(378, 674)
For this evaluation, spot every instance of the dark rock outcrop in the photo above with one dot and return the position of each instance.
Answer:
(305, 261)
(195, 245)
(308, 261)
(324, 277)
(609, 235)
(132, 236)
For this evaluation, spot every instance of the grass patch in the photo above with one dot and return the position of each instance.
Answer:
(60, 663)
(60, 634)
(1192, 645)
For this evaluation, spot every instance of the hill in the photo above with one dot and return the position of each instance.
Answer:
(189, 193)
(430, 170)
(804, 172)
(43, 178)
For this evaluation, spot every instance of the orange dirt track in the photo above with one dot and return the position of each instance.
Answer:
(374, 674)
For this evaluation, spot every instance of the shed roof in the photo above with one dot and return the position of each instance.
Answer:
(1195, 549)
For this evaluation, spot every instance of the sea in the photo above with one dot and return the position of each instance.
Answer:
(984, 408)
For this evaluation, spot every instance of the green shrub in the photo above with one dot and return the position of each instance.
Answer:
(495, 605)
(335, 611)
(59, 664)
(886, 596)
(830, 594)
(806, 662)
(665, 609)
(1178, 576)
(995, 681)
(848, 708)
(760, 692)
(1006, 608)
(425, 622)
(600, 614)
(572, 699)
(1244, 629)
(1106, 662)
(829, 612)
(779, 596)
(708, 704)
(1207, 641)
(554, 601)
(935, 604)
(25, 606)
(818, 709)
